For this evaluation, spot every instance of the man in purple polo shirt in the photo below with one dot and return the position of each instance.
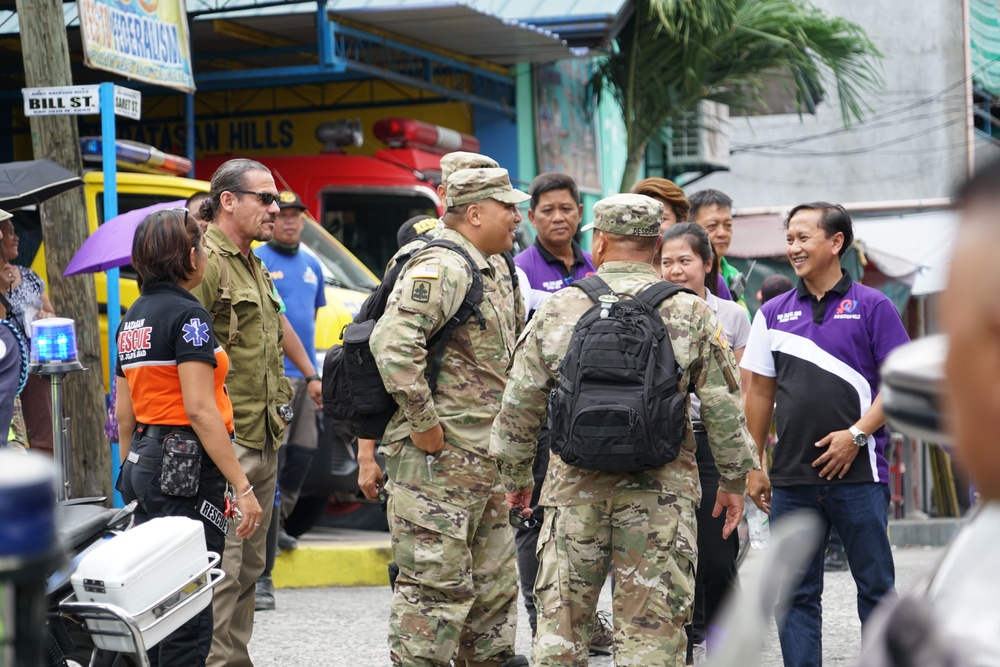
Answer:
(556, 259)
(815, 353)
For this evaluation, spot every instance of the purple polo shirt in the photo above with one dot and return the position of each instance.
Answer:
(547, 273)
(722, 290)
(826, 356)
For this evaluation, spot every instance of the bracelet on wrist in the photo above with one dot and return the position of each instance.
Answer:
(314, 376)
(245, 493)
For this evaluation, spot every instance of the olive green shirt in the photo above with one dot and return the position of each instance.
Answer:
(256, 381)
(700, 347)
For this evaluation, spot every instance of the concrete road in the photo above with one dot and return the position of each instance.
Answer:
(331, 627)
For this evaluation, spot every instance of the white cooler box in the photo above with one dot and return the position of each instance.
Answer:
(160, 573)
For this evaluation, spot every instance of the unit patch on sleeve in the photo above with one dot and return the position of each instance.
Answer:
(421, 292)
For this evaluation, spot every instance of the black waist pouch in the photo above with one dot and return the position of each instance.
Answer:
(181, 470)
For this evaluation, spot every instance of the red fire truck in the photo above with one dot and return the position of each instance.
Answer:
(360, 199)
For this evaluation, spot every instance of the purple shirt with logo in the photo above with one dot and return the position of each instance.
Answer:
(826, 356)
(547, 274)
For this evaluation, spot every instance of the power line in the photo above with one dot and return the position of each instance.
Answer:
(792, 152)
(879, 178)
(780, 143)
(845, 128)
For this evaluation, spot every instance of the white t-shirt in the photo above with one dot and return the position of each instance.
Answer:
(735, 324)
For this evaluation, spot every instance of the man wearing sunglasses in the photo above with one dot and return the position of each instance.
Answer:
(245, 311)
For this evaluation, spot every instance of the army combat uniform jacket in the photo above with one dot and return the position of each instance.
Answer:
(472, 379)
(700, 348)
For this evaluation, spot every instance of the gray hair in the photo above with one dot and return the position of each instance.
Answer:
(227, 178)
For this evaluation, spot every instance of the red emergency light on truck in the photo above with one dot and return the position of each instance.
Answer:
(362, 200)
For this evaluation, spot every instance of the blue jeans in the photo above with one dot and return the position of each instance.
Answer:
(860, 513)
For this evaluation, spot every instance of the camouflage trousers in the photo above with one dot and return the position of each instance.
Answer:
(456, 594)
(648, 540)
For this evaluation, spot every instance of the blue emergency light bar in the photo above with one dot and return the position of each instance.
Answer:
(53, 343)
(135, 156)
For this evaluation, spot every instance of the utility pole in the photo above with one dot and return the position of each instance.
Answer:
(64, 228)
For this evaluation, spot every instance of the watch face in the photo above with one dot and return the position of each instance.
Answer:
(861, 440)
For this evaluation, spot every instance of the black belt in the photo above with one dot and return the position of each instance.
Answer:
(698, 427)
(144, 461)
(160, 431)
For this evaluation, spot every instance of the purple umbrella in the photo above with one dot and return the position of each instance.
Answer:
(111, 245)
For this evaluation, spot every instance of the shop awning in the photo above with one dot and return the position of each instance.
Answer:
(462, 29)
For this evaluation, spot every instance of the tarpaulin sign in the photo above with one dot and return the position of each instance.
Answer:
(146, 40)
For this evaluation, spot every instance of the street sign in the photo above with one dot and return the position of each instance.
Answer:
(128, 102)
(61, 100)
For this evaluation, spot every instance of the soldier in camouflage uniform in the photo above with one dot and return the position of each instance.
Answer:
(456, 593)
(369, 472)
(641, 524)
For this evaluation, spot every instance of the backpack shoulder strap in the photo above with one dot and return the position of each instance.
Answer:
(659, 292)
(593, 286)
(373, 306)
(474, 295)
(508, 259)
(653, 296)
(468, 308)
(223, 295)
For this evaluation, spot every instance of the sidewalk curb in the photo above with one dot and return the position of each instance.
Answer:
(330, 563)
(923, 532)
(326, 564)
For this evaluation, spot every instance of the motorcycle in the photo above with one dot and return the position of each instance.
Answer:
(82, 525)
(125, 587)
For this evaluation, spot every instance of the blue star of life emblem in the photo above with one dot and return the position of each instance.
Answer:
(195, 332)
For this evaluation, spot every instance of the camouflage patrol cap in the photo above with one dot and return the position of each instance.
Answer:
(469, 185)
(459, 160)
(627, 214)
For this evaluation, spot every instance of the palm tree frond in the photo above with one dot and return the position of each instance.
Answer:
(671, 54)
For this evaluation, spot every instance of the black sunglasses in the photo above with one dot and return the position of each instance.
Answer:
(520, 521)
(180, 209)
(266, 198)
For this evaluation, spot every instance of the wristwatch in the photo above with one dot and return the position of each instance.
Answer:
(314, 376)
(285, 412)
(860, 437)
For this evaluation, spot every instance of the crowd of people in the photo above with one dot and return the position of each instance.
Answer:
(216, 362)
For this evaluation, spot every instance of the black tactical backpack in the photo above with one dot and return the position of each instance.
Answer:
(617, 406)
(353, 391)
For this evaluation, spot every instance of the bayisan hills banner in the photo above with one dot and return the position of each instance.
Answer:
(145, 40)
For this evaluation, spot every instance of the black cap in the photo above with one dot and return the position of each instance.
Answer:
(773, 286)
(413, 228)
(288, 199)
